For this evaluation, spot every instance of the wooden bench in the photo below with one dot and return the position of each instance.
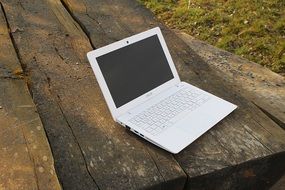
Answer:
(51, 37)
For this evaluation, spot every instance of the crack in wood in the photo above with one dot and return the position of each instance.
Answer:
(31, 158)
(23, 133)
(64, 110)
(83, 28)
(272, 117)
(13, 41)
(57, 52)
(21, 5)
(154, 162)
(77, 142)
(48, 81)
(256, 138)
(11, 77)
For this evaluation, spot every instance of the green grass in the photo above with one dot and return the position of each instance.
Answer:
(254, 29)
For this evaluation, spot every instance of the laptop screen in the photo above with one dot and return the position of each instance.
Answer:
(135, 69)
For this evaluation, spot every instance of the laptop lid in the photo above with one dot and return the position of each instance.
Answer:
(132, 70)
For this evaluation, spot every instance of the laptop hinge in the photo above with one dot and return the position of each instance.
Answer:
(177, 85)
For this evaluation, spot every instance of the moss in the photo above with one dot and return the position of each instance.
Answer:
(251, 28)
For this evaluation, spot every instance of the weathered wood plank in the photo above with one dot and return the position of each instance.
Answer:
(26, 159)
(257, 174)
(35, 30)
(9, 64)
(258, 84)
(17, 169)
(245, 135)
(73, 110)
(171, 175)
(280, 185)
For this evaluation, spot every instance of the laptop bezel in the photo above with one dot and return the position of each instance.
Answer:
(116, 112)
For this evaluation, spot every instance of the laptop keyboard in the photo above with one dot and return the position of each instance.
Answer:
(165, 113)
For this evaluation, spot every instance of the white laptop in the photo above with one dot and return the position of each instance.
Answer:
(144, 93)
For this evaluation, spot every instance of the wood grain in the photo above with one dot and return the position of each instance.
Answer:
(258, 84)
(36, 46)
(89, 148)
(280, 184)
(245, 135)
(26, 159)
(9, 64)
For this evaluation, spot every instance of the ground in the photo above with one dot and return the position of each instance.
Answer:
(252, 29)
